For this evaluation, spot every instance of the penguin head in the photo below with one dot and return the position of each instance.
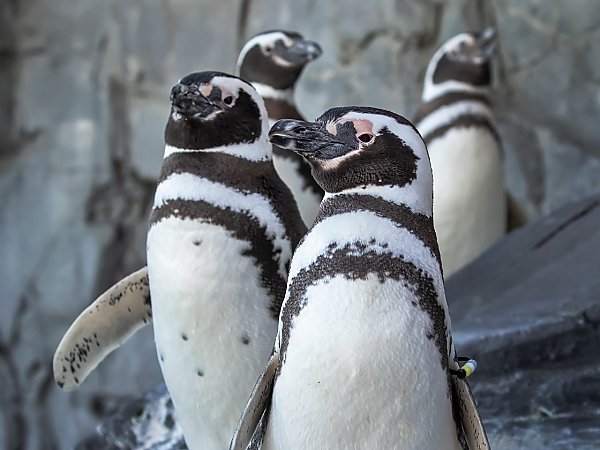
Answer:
(356, 146)
(462, 62)
(276, 58)
(215, 109)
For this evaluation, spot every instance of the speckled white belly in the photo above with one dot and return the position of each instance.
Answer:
(212, 325)
(308, 202)
(469, 200)
(360, 373)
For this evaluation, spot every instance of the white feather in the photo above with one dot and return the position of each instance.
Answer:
(469, 199)
(432, 90)
(266, 91)
(245, 151)
(308, 201)
(186, 186)
(213, 295)
(445, 115)
(262, 40)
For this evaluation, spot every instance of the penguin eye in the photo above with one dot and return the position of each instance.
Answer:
(268, 49)
(228, 100)
(365, 137)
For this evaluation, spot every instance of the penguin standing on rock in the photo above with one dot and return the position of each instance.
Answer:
(222, 231)
(457, 123)
(363, 357)
(273, 61)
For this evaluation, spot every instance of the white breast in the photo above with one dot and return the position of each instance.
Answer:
(358, 374)
(205, 291)
(469, 201)
(359, 370)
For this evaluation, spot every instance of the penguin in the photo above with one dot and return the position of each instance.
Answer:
(364, 355)
(457, 122)
(273, 61)
(222, 231)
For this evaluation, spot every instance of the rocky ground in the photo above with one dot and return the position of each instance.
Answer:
(528, 311)
(83, 89)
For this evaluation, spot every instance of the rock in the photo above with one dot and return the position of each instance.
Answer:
(145, 424)
(527, 310)
(546, 89)
(83, 93)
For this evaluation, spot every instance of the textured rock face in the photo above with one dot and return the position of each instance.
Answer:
(147, 423)
(83, 92)
(547, 82)
(527, 310)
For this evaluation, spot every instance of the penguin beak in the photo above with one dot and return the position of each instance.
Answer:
(302, 52)
(485, 44)
(309, 139)
(188, 101)
(479, 50)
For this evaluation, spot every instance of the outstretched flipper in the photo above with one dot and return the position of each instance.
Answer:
(103, 326)
(256, 408)
(469, 416)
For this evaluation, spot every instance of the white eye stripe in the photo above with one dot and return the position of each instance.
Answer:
(432, 90)
(262, 40)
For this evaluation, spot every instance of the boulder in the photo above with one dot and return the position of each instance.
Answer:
(529, 311)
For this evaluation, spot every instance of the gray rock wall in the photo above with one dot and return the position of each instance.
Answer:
(83, 96)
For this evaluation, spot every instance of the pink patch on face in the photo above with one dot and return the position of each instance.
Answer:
(363, 126)
(206, 89)
(364, 130)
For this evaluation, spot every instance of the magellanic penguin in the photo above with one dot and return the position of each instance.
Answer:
(222, 231)
(273, 61)
(363, 357)
(457, 122)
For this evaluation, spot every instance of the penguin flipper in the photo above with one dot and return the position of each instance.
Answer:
(472, 425)
(256, 409)
(102, 327)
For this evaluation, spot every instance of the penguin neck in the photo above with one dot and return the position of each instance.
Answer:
(184, 171)
(257, 151)
(432, 90)
(278, 109)
(270, 93)
(416, 196)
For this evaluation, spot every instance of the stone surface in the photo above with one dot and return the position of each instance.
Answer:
(144, 424)
(528, 310)
(83, 92)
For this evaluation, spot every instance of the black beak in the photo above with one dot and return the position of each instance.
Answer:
(306, 138)
(188, 101)
(302, 52)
